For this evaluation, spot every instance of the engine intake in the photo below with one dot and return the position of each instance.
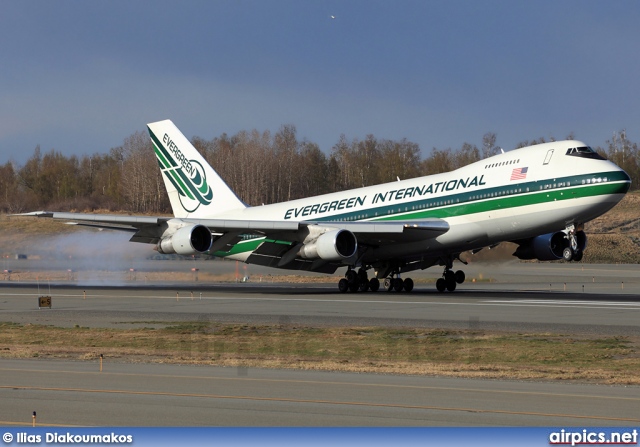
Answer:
(187, 240)
(331, 246)
(548, 247)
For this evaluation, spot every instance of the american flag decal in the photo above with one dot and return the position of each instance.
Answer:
(519, 173)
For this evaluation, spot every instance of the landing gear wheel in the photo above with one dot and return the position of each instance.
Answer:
(451, 286)
(388, 284)
(352, 276)
(449, 276)
(460, 276)
(364, 286)
(374, 284)
(567, 254)
(441, 285)
(408, 284)
(354, 287)
(343, 285)
(398, 284)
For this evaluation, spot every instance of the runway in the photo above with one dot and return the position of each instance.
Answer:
(76, 393)
(478, 308)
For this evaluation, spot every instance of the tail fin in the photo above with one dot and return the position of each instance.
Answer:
(194, 188)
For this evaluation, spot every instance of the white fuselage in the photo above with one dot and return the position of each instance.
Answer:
(485, 203)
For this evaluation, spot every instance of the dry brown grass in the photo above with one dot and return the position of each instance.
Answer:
(471, 353)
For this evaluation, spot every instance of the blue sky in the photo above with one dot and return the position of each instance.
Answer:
(79, 76)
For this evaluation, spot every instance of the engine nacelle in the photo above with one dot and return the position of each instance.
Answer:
(334, 245)
(187, 240)
(548, 247)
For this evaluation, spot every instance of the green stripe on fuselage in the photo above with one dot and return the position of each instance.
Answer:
(515, 201)
(507, 196)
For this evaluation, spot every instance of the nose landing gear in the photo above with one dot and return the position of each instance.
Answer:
(577, 243)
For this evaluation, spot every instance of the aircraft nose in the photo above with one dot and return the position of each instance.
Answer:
(625, 178)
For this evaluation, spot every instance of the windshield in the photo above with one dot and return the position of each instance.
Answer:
(584, 152)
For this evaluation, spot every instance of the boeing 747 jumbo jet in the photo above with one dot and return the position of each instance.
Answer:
(538, 197)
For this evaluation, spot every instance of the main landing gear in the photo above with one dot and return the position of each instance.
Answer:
(359, 282)
(450, 280)
(398, 284)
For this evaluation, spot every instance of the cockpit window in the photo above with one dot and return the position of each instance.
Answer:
(584, 152)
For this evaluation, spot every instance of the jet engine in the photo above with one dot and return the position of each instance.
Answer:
(548, 247)
(186, 240)
(334, 245)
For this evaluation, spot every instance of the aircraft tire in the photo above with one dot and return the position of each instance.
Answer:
(441, 285)
(398, 285)
(408, 285)
(388, 284)
(343, 285)
(451, 286)
(460, 276)
(374, 284)
(567, 254)
(449, 276)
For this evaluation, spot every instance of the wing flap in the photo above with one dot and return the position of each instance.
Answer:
(389, 232)
(270, 253)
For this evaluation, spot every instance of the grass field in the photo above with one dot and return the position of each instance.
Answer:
(466, 353)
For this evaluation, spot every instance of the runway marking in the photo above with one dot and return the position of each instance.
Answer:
(320, 382)
(494, 302)
(569, 303)
(30, 423)
(325, 402)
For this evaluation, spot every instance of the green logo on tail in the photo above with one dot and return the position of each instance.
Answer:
(187, 176)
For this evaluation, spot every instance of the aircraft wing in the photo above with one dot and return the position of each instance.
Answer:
(281, 238)
(135, 223)
(107, 221)
(371, 232)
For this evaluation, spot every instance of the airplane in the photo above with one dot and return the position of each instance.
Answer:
(538, 197)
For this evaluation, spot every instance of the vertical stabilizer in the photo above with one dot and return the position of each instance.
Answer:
(194, 188)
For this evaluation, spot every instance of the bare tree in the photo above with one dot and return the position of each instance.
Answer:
(489, 147)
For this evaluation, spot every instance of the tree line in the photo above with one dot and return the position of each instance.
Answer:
(260, 167)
